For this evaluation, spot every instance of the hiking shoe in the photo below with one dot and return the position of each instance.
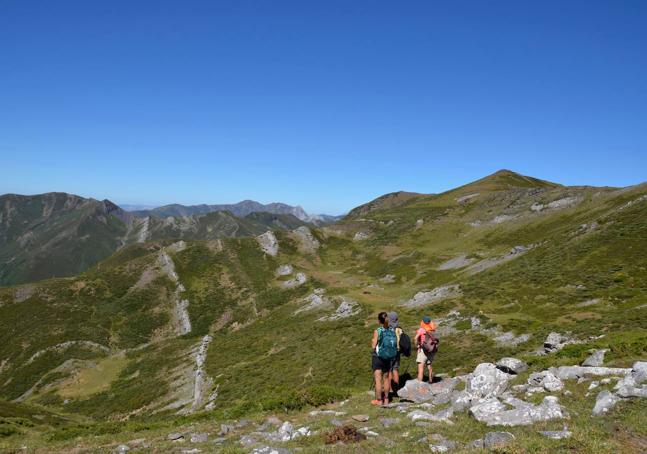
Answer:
(376, 402)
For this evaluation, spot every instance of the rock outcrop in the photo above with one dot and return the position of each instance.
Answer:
(268, 243)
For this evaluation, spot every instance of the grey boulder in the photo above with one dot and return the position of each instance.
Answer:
(511, 365)
(604, 402)
(493, 440)
(596, 359)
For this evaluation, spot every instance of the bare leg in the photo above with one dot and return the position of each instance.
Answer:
(421, 371)
(396, 377)
(378, 384)
(387, 386)
(431, 373)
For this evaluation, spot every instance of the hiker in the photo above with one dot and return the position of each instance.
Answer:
(395, 325)
(385, 350)
(427, 343)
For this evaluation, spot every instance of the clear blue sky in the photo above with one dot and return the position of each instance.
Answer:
(326, 104)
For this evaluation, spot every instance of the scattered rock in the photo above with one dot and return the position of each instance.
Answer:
(487, 381)
(511, 365)
(316, 300)
(121, 449)
(467, 197)
(284, 270)
(596, 359)
(510, 339)
(388, 422)
(636, 376)
(524, 415)
(201, 437)
(359, 236)
(456, 263)
(442, 446)
(437, 294)
(556, 434)
(360, 418)
(486, 408)
(442, 416)
(417, 391)
(326, 412)
(591, 302)
(565, 202)
(493, 440)
(271, 450)
(388, 279)
(604, 402)
(175, 436)
(298, 280)
(347, 308)
(575, 372)
(556, 341)
(268, 243)
(547, 380)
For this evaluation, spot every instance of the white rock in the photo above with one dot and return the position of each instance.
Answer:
(604, 402)
(268, 243)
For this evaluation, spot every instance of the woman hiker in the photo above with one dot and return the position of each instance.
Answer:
(385, 349)
(425, 336)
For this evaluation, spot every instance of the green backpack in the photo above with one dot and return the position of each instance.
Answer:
(387, 343)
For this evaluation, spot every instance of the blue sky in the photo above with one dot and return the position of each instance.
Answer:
(324, 104)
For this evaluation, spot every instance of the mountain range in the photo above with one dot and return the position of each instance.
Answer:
(224, 335)
(58, 234)
(240, 209)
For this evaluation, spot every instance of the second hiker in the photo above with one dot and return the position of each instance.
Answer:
(427, 343)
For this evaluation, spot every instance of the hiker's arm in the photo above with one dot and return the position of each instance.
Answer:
(416, 339)
(374, 340)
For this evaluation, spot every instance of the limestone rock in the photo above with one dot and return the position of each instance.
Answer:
(596, 359)
(511, 365)
(636, 376)
(268, 243)
(417, 391)
(360, 418)
(298, 280)
(575, 372)
(437, 294)
(284, 270)
(175, 436)
(486, 408)
(199, 437)
(359, 236)
(524, 415)
(547, 380)
(347, 308)
(493, 440)
(556, 434)
(271, 450)
(487, 381)
(604, 402)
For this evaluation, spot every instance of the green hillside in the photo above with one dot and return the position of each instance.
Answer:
(178, 334)
(58, 234)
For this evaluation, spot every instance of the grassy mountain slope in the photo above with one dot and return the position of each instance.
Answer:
(516, 256)
(58, 234)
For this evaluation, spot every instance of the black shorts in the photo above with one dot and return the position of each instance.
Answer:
(385, 365)
(396, 363)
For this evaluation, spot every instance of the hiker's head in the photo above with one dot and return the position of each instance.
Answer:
(393, 320)
(383, 318)
(427, 324)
